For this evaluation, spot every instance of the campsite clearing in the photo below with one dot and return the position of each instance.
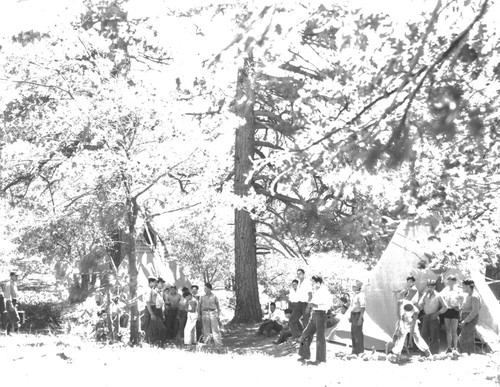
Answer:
(59, 360)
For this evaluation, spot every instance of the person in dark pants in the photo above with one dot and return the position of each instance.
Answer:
(300, 311)
(358, 306)
(319, 305)
(286, 332)
(11, 296)
(171, 312)
(153, 324)
(433, 305)
(273, 322)
(469, 318)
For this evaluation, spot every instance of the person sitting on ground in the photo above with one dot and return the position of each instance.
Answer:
(273, 322)
(346, 303)
(286, 332)
(407, 324)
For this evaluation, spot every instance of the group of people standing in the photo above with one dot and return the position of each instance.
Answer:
(311, 302)
(456, 308)
(186, 317)
(419, 317)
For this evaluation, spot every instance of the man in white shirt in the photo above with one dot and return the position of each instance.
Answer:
(319, 305)
(304, 294)
(11, 296)
(358, 306)
(273, 322)
(293, 296)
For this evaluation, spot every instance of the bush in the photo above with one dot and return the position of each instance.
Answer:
(43, 315)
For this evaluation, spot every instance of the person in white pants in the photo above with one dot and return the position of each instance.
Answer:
(192, 317)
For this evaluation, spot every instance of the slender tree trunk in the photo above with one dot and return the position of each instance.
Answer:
(247, 294)
(109, 318)
(133, 210)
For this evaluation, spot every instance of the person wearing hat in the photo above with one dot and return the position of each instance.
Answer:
(11, 295)
(209, 313)
(453, 297)
(358, 306)
(433, 305)
(469, 316)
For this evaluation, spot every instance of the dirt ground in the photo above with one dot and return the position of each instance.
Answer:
(249, 359)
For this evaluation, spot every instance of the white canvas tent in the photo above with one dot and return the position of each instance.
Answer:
(402, 257)
(153, 263)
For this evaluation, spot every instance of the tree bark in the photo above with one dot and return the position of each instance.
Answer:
(132, 211)
(246, 290)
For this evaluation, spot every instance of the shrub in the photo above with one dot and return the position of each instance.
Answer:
(43, 315)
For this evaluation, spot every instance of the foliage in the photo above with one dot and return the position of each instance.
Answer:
(277, 273)
(360, 118)
(43, 315)
(203, 245)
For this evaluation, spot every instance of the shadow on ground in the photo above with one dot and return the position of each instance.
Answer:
(243, 338)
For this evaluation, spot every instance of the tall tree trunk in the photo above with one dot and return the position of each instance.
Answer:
(247, 294)
(132, 211)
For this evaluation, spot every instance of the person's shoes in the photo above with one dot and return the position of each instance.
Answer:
(301, 360)
(427, 353)
(315, 363)
(448, 350)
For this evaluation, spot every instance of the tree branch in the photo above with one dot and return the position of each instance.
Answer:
(40, 85)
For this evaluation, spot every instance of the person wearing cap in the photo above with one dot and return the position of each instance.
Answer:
(358, 306)
(209, 313)
(433, 305)
(469, 316)
(452, 297)
(319, 305)
(407, 323)
(11, 295)
(300, 311)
